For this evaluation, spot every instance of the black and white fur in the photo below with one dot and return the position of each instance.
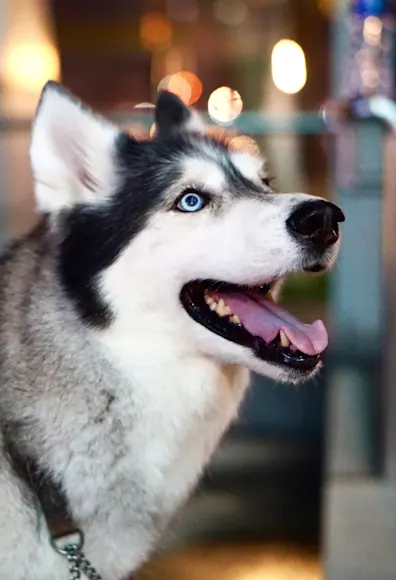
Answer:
(105, 380)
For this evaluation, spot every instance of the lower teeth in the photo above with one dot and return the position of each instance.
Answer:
(235, 319)
(281, 343)
(285, 342)
(223, 310)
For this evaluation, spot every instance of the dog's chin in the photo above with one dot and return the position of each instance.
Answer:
(254, 330)
(279, 373)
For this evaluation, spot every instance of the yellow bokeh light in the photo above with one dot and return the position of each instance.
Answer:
(224, 105)
(156, 30)
(27, 66)
(288, 65)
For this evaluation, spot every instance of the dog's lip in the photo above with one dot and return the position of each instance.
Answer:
(316, 268)
(193, 300)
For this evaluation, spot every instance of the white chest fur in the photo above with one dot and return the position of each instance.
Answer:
(170, 415)
(180, 410)
(183, 415)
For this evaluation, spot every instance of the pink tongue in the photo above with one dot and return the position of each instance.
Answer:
(265, 319)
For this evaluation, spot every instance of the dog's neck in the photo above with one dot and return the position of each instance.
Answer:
(136, 355)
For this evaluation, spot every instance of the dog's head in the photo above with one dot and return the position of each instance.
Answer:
(179, 238)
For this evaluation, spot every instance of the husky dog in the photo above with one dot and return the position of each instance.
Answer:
(130, 319)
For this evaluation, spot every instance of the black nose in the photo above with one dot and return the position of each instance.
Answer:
(316, 222)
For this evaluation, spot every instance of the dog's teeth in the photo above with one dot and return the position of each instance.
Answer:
(222, 309)
(285, 342)
(219, 307)
(235, 319)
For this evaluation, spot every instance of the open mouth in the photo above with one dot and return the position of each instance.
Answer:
(248, 316)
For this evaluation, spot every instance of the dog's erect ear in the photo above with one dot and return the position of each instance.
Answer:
(172, 116)
(71, 153)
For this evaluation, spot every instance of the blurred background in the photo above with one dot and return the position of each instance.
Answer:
(304, 485)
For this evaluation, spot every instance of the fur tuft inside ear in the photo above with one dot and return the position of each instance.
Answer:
(71, 152)
(172, 116)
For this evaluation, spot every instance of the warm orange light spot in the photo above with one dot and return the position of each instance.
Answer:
(221, 133)
(195, 85)
(184, 84)
(233, 140)
(156, 30)
(245, 144)
(178, 85)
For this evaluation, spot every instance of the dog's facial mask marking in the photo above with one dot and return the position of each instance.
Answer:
(180, 233)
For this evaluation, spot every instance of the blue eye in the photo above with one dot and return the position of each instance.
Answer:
(191, 202)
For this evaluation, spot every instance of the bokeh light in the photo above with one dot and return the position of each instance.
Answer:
(288, 65)
(222, 134)
(144, 106)
(27, 66)
(156, 31)
(193, 82)
(245, 144)
(369, 72)
(372, 30)
(173, 60)
(224, 105)
(178, 85)
(184, 84)
(152, 131)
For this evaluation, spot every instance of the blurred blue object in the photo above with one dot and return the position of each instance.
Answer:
(370, 7)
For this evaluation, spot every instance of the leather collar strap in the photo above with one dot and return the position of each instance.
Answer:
(50, 497)
(66, 538)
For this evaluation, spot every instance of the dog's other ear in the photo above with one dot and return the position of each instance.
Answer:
(71, 152)
(172, 116)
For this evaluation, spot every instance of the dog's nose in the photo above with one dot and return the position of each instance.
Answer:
(316, 222)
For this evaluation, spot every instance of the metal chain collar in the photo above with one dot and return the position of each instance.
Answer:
(71, 548)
